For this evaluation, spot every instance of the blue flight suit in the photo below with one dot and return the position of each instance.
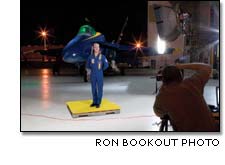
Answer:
(97, 65)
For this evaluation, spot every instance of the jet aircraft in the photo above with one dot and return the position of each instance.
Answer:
(80, 47)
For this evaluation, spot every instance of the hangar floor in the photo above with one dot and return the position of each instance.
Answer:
(43, 99)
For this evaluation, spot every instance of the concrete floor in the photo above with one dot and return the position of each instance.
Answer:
(43, 105)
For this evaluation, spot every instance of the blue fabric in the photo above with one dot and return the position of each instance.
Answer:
(97, 65)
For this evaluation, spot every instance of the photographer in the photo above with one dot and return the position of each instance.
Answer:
(182, 99)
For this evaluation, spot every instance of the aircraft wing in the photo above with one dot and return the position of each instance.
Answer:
(148, 51)
(51, 52)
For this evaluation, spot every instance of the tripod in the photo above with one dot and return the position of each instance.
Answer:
(164, 123)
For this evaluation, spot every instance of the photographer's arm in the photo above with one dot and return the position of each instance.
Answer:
(199, 67)
(203, 70)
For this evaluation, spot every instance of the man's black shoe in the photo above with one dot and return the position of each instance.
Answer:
(97, 106)
(92, 105)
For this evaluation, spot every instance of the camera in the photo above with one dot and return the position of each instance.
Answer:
(159, 77)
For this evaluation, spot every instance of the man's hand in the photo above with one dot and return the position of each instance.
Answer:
(88, 74)
(88, 77)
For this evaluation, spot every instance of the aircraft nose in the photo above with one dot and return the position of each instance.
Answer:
(70, 57)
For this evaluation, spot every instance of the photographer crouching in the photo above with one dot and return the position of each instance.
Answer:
(182, 99)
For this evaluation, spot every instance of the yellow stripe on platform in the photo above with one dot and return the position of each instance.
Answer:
(82, 107)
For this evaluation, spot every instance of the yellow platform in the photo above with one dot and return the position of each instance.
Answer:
(81, 108)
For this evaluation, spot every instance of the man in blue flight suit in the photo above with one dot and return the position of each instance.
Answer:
(95, 66)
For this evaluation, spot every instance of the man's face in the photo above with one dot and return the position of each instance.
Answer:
(96, 47)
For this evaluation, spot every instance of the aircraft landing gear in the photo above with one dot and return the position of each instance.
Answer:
(83, 73)
(122, 71)
(85, 76)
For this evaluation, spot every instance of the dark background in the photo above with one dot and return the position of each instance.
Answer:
(64, 18)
